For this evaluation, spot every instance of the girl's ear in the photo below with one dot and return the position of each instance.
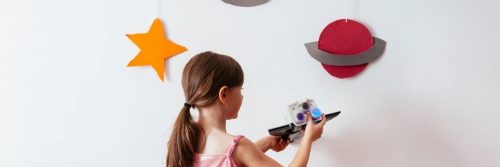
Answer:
(223, 94)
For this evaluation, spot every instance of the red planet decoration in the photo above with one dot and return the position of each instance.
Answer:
(345, 47)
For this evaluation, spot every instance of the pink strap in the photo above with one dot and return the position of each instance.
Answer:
(233, 145)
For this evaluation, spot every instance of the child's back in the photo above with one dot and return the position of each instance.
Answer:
(222, 159)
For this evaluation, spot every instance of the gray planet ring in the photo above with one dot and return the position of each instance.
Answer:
(246, 3)
(342, 60)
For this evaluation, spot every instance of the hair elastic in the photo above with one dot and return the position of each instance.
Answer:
(188, 105)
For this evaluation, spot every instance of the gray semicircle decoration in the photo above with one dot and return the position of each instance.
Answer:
(341, 60)
(246, 3)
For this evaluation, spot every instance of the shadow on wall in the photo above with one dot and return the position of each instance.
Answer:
(393, 138)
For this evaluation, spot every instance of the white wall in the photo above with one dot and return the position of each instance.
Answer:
(67, 98)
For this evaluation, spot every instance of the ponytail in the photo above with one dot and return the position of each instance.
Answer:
(184, 140)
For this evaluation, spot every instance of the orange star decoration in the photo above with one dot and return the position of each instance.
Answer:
(155, 48)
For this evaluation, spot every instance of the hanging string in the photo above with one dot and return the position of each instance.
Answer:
(346, 9)
(355, 9)
(351, 9)
(159, 9)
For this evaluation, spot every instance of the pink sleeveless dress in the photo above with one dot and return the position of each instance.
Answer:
(223, 160)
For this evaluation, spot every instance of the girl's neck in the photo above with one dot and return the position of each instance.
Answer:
(212, 119)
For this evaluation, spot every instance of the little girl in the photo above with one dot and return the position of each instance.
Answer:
(212, 83)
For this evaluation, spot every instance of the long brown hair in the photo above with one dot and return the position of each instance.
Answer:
(202, 78)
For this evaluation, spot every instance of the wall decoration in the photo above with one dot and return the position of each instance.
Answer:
(155, 48)
(345, 47)
(246, 3)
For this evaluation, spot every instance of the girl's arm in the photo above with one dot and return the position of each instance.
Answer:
(312, 133)
(263, 144)
(248, 154)
(271, 142)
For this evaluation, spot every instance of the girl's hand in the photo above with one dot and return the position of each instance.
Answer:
(314, 131)
(277, 144)
(271, 142)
